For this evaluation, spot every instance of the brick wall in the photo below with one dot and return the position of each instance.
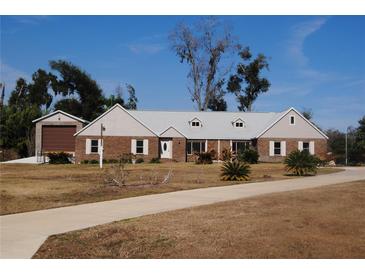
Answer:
(114, 147)
(179, 149)
(263, 147)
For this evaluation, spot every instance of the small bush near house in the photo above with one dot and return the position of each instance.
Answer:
(155, 161)
(301, 163)
(113, 161)
(126, 158)
(226, 155)
(249, 155)
(93, 162)
(59, 158)
(139, 160)
(204, 158)
(235, 171)
(84, 161)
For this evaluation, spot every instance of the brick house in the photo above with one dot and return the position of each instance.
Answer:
(179, 135)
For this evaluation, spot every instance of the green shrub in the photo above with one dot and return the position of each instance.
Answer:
(139, 160)
(249, 155)
(113, 161)
(301, 163)
(204, 158)
(59, 158)
(155, 161)
(93, 162)
(235, 171)
(84, 161)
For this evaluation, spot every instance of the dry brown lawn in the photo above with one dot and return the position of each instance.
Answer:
(325, 222)
(33, 187)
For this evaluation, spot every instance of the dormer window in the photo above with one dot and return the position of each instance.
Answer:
(238, 123)
(195, 124)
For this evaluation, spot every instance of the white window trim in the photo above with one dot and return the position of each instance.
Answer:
(88, 146)
(145, 146)
(271, 148)
(290, 123)
(311, 147)
(283, 148)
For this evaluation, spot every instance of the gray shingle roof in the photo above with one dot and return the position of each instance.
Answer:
(215, 125)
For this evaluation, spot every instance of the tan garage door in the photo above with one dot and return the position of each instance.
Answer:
(58, 138)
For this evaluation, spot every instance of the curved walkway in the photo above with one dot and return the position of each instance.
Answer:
(22, 234)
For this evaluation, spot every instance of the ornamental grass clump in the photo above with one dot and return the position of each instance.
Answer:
(235, 171)
(301, 163)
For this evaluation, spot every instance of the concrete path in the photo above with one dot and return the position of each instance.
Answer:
(23, 233)
(29, 160)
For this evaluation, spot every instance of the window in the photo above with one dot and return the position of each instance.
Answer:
(239, 124)
(139, 146)
(292, 120)
(195, 124)
(306, 146)
(94, 146)
(195, 147)
(238, 146)
(277, 148)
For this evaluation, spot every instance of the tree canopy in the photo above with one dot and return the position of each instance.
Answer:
(74, 81)
(202, 47)
(247, 83)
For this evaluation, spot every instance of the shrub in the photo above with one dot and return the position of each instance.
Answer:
(126, 158)
(249, 155)
(139, 160)
(59, 158)
(235, 171)
(84, 161)
(155, 161)
(301, 163)
(93, 162)
(226, 155)
(116, 175)
(204, 158)
(113, 161)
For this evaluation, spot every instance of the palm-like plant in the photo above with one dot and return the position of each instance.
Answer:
(235, 171)
(301, 163)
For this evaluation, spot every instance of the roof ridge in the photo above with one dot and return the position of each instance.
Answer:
(215, 112)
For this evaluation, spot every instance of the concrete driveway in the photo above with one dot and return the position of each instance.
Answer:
(22, 234)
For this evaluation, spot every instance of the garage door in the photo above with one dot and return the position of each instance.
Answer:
(58, 138)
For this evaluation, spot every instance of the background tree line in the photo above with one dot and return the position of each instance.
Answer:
(79, 95)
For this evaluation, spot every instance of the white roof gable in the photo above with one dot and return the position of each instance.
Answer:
(59, 115)
(302, 128)
(117, 121)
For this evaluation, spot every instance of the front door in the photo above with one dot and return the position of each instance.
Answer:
(166, 149)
